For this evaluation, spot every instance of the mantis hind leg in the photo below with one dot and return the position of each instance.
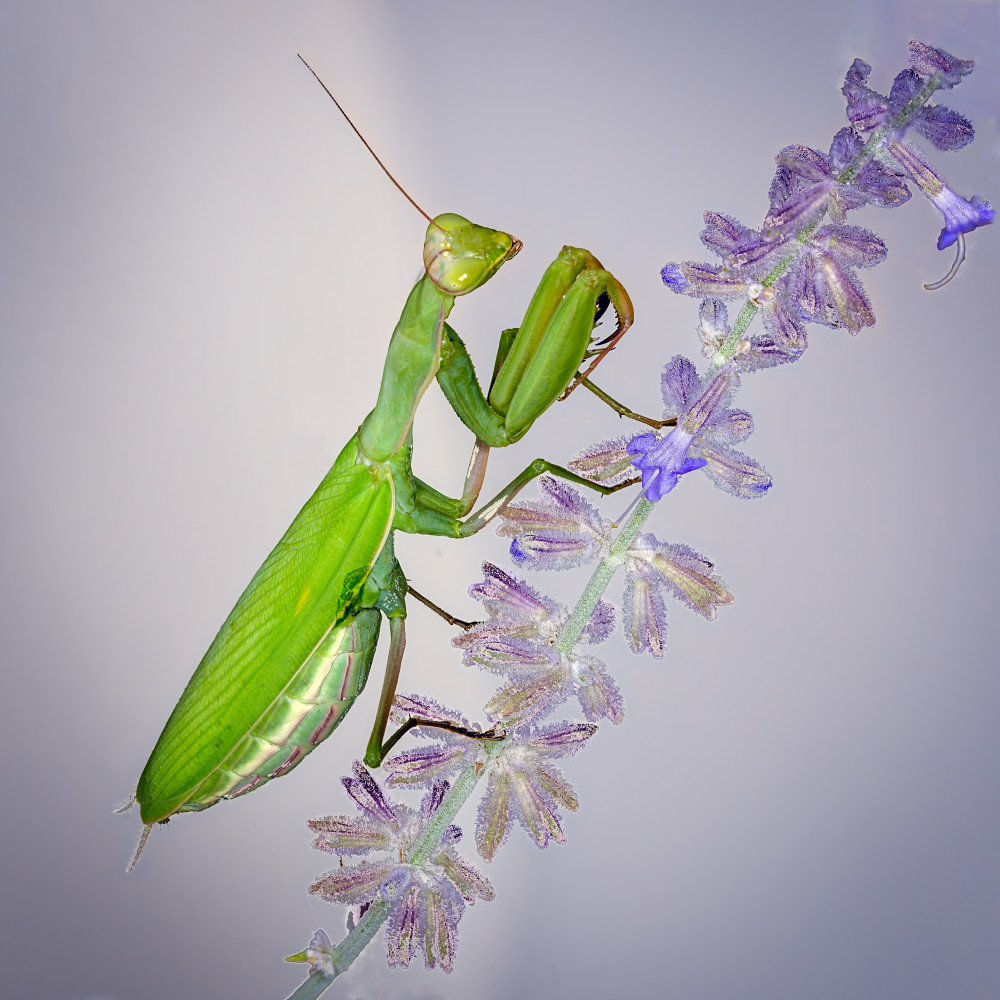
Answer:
(378, 746)
(428, 603)
(377, 751)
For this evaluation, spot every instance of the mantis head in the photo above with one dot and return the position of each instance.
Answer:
(459, 256)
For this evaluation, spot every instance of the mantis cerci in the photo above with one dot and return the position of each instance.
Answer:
(296, 650)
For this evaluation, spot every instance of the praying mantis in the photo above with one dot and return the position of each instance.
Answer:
(297, 648)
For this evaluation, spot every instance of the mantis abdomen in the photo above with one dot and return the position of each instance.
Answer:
(301, 717)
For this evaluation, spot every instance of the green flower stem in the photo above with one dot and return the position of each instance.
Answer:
(602, 577)
(358, 939)
(347, 951)
(445, 813)
(312, 987)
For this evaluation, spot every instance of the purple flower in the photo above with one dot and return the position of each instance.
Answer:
(705, 429)
(423, 916)
(560, 530)
(741, 248)
(520, 640)
(808, 182)
(448, 753)
(867, 109)
(960, 215)
(697, 280)
(425, 901)
(655, 567)
(604, 462)
(821, 284)
(662, 461)
(783, 339)
(524, 785)
(747, 254)
(927, 61)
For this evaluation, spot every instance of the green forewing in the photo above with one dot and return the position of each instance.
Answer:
(305, 585)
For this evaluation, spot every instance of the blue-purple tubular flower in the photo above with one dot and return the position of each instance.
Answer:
(662, 461)
(960, 215)
(705, 429)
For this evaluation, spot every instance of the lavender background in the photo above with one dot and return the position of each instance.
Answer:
(201, 270)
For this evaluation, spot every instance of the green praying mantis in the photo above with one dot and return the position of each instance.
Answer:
(296, 650)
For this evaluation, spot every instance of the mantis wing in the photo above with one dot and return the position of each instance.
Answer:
(308, 584)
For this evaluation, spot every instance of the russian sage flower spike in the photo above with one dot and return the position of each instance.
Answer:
(796, 271)
(425, 901)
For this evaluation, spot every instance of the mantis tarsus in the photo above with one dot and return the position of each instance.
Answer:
(295, 651)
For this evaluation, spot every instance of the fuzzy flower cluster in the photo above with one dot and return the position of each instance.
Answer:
(800, 267)
(523, 639)
(561, 521)
(425, 901)
(523, 783)
(797, 269)
(705, 429)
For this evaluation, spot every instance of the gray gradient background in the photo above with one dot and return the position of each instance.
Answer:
(201, 270)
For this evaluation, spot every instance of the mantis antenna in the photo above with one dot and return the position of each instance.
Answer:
(347, 117)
